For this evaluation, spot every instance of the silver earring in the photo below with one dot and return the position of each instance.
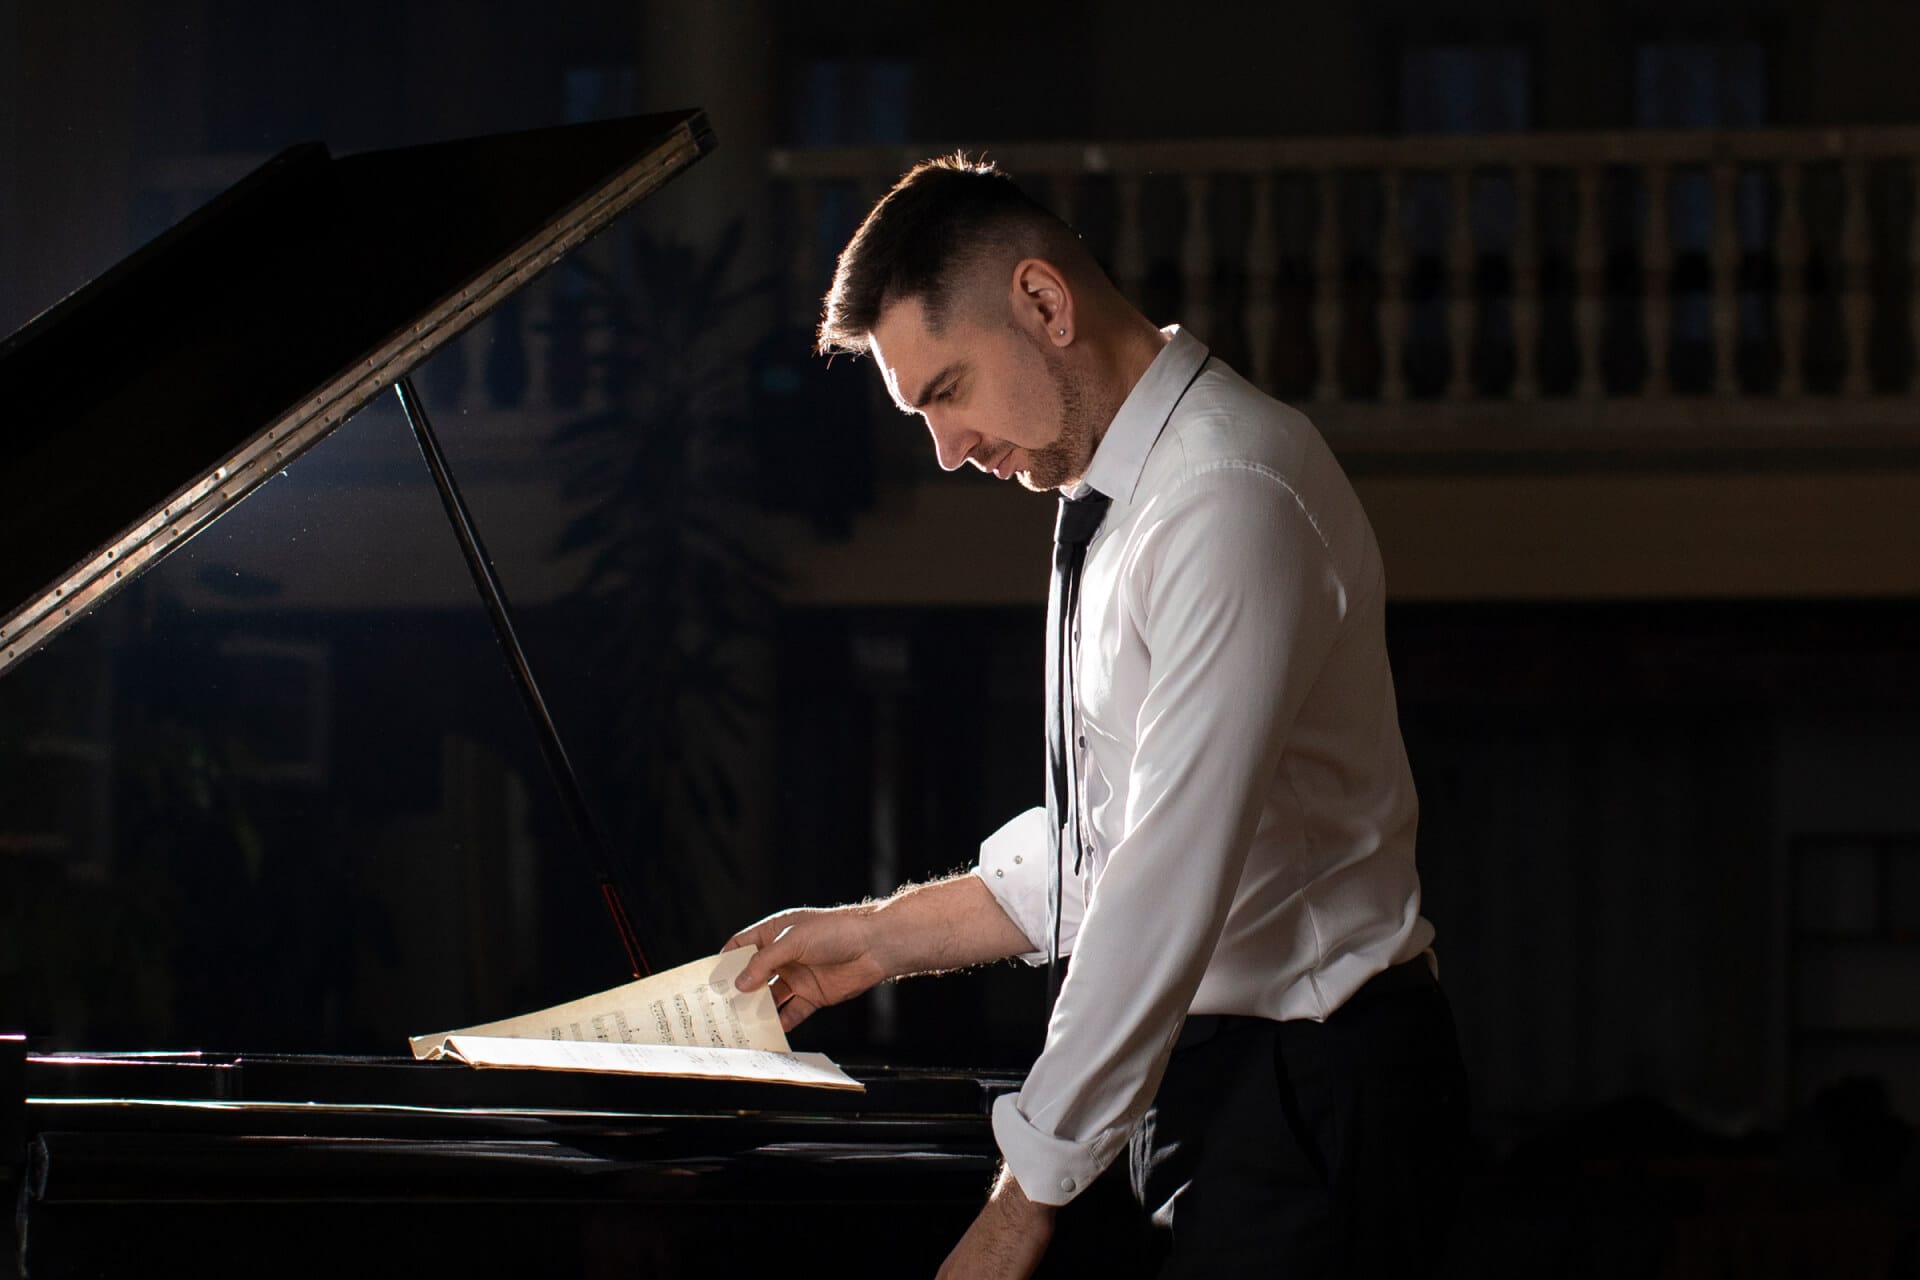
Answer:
(1063, 333)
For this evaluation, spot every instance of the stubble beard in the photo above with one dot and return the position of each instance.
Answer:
(1064, 460)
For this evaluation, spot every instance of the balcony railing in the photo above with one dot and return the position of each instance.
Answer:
(1736, 288)
(1578, 285)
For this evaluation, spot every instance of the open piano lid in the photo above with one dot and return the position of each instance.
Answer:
(139, 409)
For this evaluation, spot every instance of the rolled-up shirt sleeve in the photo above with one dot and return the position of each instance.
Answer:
(1013, 866)
(1238, 603)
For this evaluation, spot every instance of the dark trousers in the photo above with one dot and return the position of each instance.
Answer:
(1310, 1149)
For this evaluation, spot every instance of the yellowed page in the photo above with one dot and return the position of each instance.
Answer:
(649, 1060)
(694, 1005)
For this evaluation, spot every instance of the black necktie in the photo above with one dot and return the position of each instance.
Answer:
(1079, 520)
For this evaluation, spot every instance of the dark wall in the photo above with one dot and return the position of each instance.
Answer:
(1610, 799)
(1617, 799)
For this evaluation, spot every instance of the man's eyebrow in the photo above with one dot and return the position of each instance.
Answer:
(933, 384)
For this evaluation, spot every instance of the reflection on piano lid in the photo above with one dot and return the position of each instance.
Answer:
(147, 403)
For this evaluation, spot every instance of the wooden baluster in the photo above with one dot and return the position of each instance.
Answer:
(1460, 272)
(805, 286)
(1913, 278)
(1726, 291)
(1790, 251)
(1263, 281)
(590, 317)
(480, 341)
(500, 356)
(1196, 259)
(1129, 254)
(1526, 286)
(1589, 266)
(1393, 291)
(1656, 284)
(534, 319)
(1856, 303)
(1327, 289)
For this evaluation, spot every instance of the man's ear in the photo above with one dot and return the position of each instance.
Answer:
(1042, 302)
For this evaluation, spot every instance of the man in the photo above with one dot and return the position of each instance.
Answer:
(1251, 1003)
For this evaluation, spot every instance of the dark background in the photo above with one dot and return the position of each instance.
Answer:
(279, 793)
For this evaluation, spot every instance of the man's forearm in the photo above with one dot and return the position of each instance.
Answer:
(947, 924)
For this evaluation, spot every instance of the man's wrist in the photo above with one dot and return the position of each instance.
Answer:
(940, 926)
(879, 942)
(1006, 1189)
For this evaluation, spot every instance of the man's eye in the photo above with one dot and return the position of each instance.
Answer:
(945, 393)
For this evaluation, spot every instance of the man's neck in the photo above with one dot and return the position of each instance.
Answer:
(1136, 343)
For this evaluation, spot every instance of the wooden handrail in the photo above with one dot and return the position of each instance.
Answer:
(1416, 152)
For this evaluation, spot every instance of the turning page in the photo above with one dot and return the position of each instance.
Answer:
(692, 1008)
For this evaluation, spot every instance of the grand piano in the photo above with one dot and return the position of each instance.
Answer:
(138, 412)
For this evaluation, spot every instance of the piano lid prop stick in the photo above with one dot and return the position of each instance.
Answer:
(495, 598)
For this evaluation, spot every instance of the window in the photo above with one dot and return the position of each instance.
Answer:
(1461, 88)
(853, 101)
(1466, 89)
(1705, 85)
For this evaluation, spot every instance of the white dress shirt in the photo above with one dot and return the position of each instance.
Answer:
(1250, 815)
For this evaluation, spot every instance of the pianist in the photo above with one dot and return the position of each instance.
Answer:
(1251, 1010)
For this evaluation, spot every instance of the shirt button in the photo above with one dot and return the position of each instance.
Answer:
(1018, 858)
(1001, 874)
(1068, 1184)
(1083, 742)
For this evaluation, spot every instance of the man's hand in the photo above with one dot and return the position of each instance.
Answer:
(814, 958)
(1007, 1240)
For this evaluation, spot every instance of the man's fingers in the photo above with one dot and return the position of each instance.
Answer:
(776, 949)
(796, 1011)
(757, 934)
(794, 1008)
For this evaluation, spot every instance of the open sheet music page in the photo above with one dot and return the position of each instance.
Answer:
(649, 1060)
(687, 1021)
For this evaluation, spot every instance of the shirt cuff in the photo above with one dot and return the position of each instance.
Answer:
(1013, 866)
(1049, 1169)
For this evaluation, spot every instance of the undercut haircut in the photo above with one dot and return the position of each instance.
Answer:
(945, 218)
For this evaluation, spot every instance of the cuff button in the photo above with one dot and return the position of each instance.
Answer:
(1068, 1184)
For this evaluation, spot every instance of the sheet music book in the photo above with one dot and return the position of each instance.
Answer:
(688, 1021)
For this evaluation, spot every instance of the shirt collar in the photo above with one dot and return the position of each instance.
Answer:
(1122, 455)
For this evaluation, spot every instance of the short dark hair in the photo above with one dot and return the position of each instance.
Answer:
(939, 220)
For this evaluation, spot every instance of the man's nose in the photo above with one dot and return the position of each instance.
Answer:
(952, 444)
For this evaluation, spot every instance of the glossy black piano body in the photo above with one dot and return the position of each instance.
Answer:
(138, 411)
(312, 1165)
